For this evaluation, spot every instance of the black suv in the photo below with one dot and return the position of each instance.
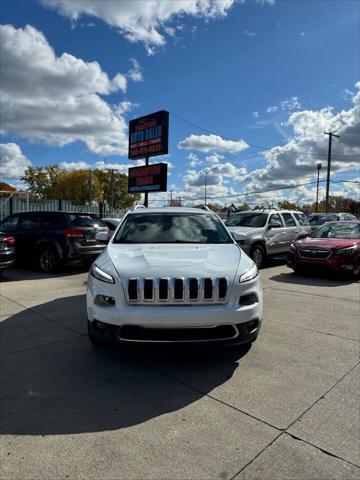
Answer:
(54, 238)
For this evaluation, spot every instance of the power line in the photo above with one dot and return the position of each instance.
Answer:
(261, 147)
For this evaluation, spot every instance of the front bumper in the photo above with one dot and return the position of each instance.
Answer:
(340, 264)
(176, 323)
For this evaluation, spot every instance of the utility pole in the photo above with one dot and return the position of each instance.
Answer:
(328, 169)
(146, 200)
(171, 198)
(319, 166)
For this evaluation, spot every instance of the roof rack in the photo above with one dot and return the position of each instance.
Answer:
(138, 206)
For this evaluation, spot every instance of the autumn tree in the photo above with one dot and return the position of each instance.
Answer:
(41, 181)
(114, 189)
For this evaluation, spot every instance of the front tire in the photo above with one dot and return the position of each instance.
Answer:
(257, 254)
(49, 261)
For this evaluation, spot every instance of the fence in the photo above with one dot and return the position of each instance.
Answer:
(16, 202)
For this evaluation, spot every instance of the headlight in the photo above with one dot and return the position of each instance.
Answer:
(293, 248)
(250, 274)
(101, 275)
(346, 251)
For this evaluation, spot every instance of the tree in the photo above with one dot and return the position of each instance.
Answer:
(41, 181)
(114, 189)
(81, 187)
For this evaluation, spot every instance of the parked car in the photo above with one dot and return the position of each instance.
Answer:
(54, 238)
(7, 251)
(185, 260)
(317, 219)
(263, 233)
(112, 223)
(334, 245)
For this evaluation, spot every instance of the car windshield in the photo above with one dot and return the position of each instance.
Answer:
(172, 228)
(247, 220)
(320, 219)
(86, 221)
(338, 230)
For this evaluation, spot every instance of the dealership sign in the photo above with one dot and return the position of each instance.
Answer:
(149, 178)
(148, 136)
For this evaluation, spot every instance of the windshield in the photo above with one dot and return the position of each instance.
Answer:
(247, 220)
(172, 228)
(86, 221)
(320, 219)
(338, 230)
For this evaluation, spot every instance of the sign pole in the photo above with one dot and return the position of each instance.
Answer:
(146, 202)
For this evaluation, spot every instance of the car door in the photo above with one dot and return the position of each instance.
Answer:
(291, 230)
(274, 234)
(29, 233)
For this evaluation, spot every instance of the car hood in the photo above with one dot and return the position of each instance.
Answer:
(246, 230)
(332, 243)
(169, 260)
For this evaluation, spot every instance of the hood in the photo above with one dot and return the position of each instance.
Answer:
(165, 260)
(332, 243)
(246, 230)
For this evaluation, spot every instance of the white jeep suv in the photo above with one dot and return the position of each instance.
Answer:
(173, 275)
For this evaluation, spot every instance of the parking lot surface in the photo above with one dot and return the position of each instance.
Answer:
(286, 408)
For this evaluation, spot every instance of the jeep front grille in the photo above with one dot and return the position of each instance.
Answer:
(172, 291)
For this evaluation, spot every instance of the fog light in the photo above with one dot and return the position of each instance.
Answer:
(252, 326)
(246, 300)
(347, 267)
(104, 301)
(100, 326)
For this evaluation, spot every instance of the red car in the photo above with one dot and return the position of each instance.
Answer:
(334, 245)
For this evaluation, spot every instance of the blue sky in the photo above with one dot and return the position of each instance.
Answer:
(235, 77)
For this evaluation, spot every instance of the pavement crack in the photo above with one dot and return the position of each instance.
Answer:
(311, 330)
(312, 294)
(326, 452)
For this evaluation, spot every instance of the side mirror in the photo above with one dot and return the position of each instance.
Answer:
(302, 235)
(238, 237)
(274, 225)
(102, 237)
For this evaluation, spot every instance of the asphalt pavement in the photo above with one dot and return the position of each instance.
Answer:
(286, 408)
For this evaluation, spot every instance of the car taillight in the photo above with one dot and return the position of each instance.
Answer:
(9, 241)
(74, 233)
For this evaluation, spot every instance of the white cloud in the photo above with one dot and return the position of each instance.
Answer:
(286, 105)
(214, 158)
(249, 33)
(57, 99)
(75, 165)
(291, 103)
(256, 114)
(212, 143)
(295, 162)
(13, 162)
(194, 160)
(272, 109)
(142, 20)
(135, 72)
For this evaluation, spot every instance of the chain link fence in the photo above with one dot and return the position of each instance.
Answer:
(16, 202)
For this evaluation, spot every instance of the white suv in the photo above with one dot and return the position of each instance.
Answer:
(173, 275)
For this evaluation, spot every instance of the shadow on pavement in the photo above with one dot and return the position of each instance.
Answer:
(65, 386)
(30, 272)
(318, 279)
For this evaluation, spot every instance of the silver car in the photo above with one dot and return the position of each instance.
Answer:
(262, 233)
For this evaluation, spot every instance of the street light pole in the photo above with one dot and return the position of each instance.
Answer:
(328, 169)
(319, 166)
(205, 181)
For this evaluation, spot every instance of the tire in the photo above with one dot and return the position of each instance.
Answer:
(49, 261)
(257, 254)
